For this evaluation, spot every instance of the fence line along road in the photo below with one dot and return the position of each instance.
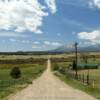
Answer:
(94, 81)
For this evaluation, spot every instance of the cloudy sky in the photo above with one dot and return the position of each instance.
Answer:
(27, 25)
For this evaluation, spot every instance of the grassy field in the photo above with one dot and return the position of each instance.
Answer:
(63, 66)
(93, 72)
(95, 92)
(29, 73)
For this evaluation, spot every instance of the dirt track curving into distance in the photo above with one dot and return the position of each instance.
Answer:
(49, 87)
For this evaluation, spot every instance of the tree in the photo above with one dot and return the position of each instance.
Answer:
(15, 73)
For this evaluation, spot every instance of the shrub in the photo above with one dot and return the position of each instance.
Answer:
(15, 73)
(55, 67)
(62, 70)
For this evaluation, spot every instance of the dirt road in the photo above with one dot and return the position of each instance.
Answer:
(49, 87)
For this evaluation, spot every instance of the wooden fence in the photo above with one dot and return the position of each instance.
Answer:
(94, 81)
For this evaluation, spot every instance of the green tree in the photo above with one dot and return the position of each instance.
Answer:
(15, 73)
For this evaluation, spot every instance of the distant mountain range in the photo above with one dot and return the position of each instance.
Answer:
(91, 48)
(61, 49)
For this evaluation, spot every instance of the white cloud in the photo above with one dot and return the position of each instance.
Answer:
(10, 34)
(56, 43)
(93, 36)
(86, 43)
(39, 32)
(24, 15)
(47, 43)
(23, 41)
(36, 47)
(52, 43)
(94, 3)
(36, 42)
(52, 5)
(12, 40)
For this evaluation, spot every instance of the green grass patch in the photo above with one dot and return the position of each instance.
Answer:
(95, 92)
(29, 72)
(93, 72)
(62, 67)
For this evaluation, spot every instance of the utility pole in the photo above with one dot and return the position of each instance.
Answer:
(76, 44)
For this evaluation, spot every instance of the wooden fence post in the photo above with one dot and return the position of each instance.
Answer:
(83, 78)
(79, 77)
(93, 83)
(88, 81)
